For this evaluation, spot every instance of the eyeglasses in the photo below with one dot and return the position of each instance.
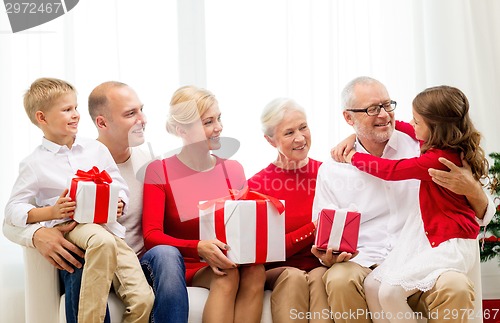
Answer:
(374, 110)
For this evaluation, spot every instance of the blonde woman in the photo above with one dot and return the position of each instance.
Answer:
(174, 186)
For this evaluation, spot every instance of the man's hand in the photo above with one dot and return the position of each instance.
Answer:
(329, 258)
(51, 244)
(460, 181)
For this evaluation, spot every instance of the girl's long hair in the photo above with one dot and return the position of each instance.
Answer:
(445, 111)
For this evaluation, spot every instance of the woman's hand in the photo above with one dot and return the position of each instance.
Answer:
(339, 152)
(211, 252)
(329, 258)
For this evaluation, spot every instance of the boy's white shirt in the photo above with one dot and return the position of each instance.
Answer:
(44, 174)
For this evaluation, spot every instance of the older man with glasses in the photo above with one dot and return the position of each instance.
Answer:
(384, 207)
(374, 110)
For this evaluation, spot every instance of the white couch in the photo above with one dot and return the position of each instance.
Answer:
(44, 303)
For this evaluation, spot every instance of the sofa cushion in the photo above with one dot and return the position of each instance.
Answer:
(197, 298)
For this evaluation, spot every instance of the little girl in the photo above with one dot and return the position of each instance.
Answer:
(443, 235)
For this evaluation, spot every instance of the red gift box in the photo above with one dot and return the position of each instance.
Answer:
(95, 195)
(252, 224)
(338, 229)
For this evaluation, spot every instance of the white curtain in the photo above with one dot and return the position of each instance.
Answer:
(130, 41)
(247, 53)
(308, 50)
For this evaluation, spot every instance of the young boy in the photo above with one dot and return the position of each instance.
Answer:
(39, 194)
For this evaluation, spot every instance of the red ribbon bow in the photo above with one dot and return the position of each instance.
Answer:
(94, 175)
(243, 195)
(102, 181)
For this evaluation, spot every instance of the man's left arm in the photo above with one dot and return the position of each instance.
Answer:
(459, 180)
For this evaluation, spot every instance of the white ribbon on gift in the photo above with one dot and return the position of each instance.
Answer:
(337, 229)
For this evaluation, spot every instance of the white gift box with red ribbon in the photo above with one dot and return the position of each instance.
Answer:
(253, 229)
(95, 195)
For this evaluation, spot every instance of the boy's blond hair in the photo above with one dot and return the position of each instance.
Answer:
(42, 93)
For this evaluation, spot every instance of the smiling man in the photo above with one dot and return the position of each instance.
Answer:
(118, 115)
(384, 207)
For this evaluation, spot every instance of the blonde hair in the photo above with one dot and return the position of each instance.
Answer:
(187, 105)
(274, 112)
(445, 111)
(42, 94)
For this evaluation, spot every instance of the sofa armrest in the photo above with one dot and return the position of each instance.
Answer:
(42, 292)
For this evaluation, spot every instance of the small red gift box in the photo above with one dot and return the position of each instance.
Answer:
(95, 195)
(338, 229)
(253, 225)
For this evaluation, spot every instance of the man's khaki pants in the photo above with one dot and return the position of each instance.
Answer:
(299, 296)
(344, 286)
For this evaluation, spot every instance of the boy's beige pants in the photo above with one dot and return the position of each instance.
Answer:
(109, 260)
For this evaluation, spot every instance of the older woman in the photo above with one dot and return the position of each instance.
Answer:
(298, 290)
(174, 186)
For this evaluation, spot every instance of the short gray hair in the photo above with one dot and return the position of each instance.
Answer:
(348, 96)
(274, 113)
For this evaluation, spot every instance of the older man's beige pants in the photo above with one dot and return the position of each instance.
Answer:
(299, 296)
(452, 293)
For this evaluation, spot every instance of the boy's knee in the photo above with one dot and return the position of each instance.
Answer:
(105, 242)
